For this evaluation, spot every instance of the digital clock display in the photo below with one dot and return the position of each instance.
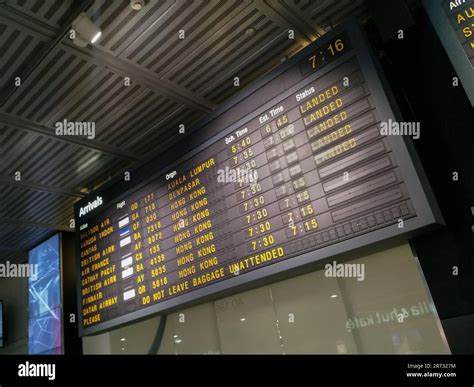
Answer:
(293, 172)
(323, 55)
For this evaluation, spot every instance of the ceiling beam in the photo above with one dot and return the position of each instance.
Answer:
(30, 185)
(30, 223)
(289, 20)
(27, 23)
(31, 126)
(94, 54)
(142, 76)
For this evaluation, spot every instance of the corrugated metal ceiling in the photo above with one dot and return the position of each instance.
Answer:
(172, 81)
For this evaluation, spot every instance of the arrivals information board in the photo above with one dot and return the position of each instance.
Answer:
(300, 172)
(454, 23)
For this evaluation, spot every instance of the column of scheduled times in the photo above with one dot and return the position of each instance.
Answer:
(272, 194)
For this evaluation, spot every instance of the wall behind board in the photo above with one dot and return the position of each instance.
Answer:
(14, 293)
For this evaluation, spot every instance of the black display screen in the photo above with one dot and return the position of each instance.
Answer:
(454, 24)
(461, 16)
(306, 170)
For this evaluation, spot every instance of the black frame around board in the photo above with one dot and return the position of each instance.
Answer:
(2, 325)
(462, 58)
(246, 107)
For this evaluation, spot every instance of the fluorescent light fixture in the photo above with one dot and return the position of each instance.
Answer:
(87, 163)
(96, 37)
(86, 31)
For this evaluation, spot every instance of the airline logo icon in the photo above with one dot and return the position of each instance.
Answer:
(126, 241)
(127, 272)
(124, 231)
(124, 221)
(128, 294)
(126, 261)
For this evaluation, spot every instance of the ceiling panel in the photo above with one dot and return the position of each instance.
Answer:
(57, 81)
(158, 138)
(322, 12)
(122, 26)
(52, 12)
(16, 239)
(53, 163)
(162, 47)
(18, 49)
(261, 61)
(41, 207)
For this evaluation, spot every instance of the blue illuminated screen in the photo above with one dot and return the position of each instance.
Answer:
(44, 313)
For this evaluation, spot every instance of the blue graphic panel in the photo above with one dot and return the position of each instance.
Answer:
(44, 325)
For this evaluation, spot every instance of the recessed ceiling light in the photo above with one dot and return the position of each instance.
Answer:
(334, 296)
(122, 339)
(250, 31)
(242, 319)
(137, 5)
(177, 341)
